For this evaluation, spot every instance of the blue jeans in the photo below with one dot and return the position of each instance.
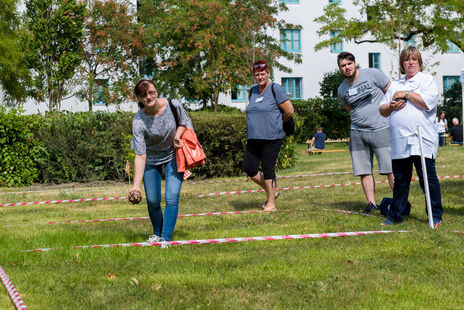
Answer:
(441, 138)
(163, 227)
(402, 169)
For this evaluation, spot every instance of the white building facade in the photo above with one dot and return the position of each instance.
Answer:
(303, 81)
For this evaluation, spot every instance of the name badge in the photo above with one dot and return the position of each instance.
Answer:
(352, 91)
(259, 99)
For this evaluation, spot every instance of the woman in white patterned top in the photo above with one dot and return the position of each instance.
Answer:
(156, 136)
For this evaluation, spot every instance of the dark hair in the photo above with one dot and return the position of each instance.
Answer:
(260, 65)
(141, 88)
(345, 55)
(407, 53)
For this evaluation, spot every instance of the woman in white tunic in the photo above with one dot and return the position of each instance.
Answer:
(410, 102)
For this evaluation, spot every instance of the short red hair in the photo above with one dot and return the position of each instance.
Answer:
(260, 65)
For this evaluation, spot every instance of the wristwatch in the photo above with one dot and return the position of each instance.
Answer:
(406, 93)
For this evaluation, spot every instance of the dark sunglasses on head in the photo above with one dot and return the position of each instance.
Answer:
(259, 66)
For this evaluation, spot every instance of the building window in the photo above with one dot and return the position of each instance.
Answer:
(290, 1)
(336, 47)
(335, 1)
(292, 87)
(411, 42)
(290, 40)
(239, 94)
(448, 82)
(101, 92)
(374, 60)
(452, 48)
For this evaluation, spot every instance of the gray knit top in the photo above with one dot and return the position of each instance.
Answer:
(154, 135)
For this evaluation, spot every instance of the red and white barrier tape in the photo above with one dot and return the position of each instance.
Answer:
(227, 240)
(309, 186)
(179, 216)
(60, 201)
(285, 176)
(205, 195)
(15, 297)
(459, 232)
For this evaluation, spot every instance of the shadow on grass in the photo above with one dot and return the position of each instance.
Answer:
(355, 206)
(243, 205)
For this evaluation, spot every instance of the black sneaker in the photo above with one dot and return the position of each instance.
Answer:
(370, 207)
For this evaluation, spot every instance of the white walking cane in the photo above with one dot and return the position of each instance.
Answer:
(426, 180)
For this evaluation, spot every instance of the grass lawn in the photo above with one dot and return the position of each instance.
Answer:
(420, 269)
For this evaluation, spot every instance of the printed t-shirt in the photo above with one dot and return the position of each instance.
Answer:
(363, 97)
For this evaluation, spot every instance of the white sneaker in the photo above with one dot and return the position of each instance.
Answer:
(164, 243)
(154, 238)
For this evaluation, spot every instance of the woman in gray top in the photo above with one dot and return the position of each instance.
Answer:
(155, 140)
(267, 110)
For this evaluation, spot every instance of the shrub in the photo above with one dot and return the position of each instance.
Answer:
(324, 112)
(61, 147)
(82, 147)
(223, 136)
(18, 148)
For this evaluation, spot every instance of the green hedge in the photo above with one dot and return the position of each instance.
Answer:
(62, 147)
(18, 149)
(321, 112)
(82, 147)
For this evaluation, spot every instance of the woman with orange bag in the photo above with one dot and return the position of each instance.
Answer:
(156, 137)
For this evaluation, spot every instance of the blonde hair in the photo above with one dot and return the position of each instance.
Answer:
(407, 53)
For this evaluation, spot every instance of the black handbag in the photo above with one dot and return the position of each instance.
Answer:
(289, 126)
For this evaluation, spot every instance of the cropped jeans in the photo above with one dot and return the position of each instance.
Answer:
(163, 226)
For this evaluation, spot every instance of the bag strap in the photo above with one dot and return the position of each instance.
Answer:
(174, 112)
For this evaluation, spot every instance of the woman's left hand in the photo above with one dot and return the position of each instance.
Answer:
(178, 143)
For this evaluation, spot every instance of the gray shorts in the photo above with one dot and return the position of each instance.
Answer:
(364, 144)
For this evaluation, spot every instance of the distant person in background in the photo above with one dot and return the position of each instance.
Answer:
(360, 95)
(456, 132)
(442, 125)
(269, 107)
(318, 140)
(411, 102)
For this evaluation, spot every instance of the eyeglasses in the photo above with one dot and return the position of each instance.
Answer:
(151, 93)
(259, 66)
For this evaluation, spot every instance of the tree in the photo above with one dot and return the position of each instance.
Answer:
(204, 48)
(52, 46)
(452, 103)
(335, 120)
(392, 22)
(111, 49)
(13, 73)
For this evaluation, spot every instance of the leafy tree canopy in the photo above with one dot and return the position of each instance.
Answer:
(52, 45)
(452, 103)
(13, 73)
(202, 48)
(112, 46)
(435, 22)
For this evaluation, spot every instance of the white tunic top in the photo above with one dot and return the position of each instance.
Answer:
(441, 125)
(403, 123)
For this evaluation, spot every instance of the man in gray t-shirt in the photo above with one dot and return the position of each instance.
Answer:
(360, 94)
